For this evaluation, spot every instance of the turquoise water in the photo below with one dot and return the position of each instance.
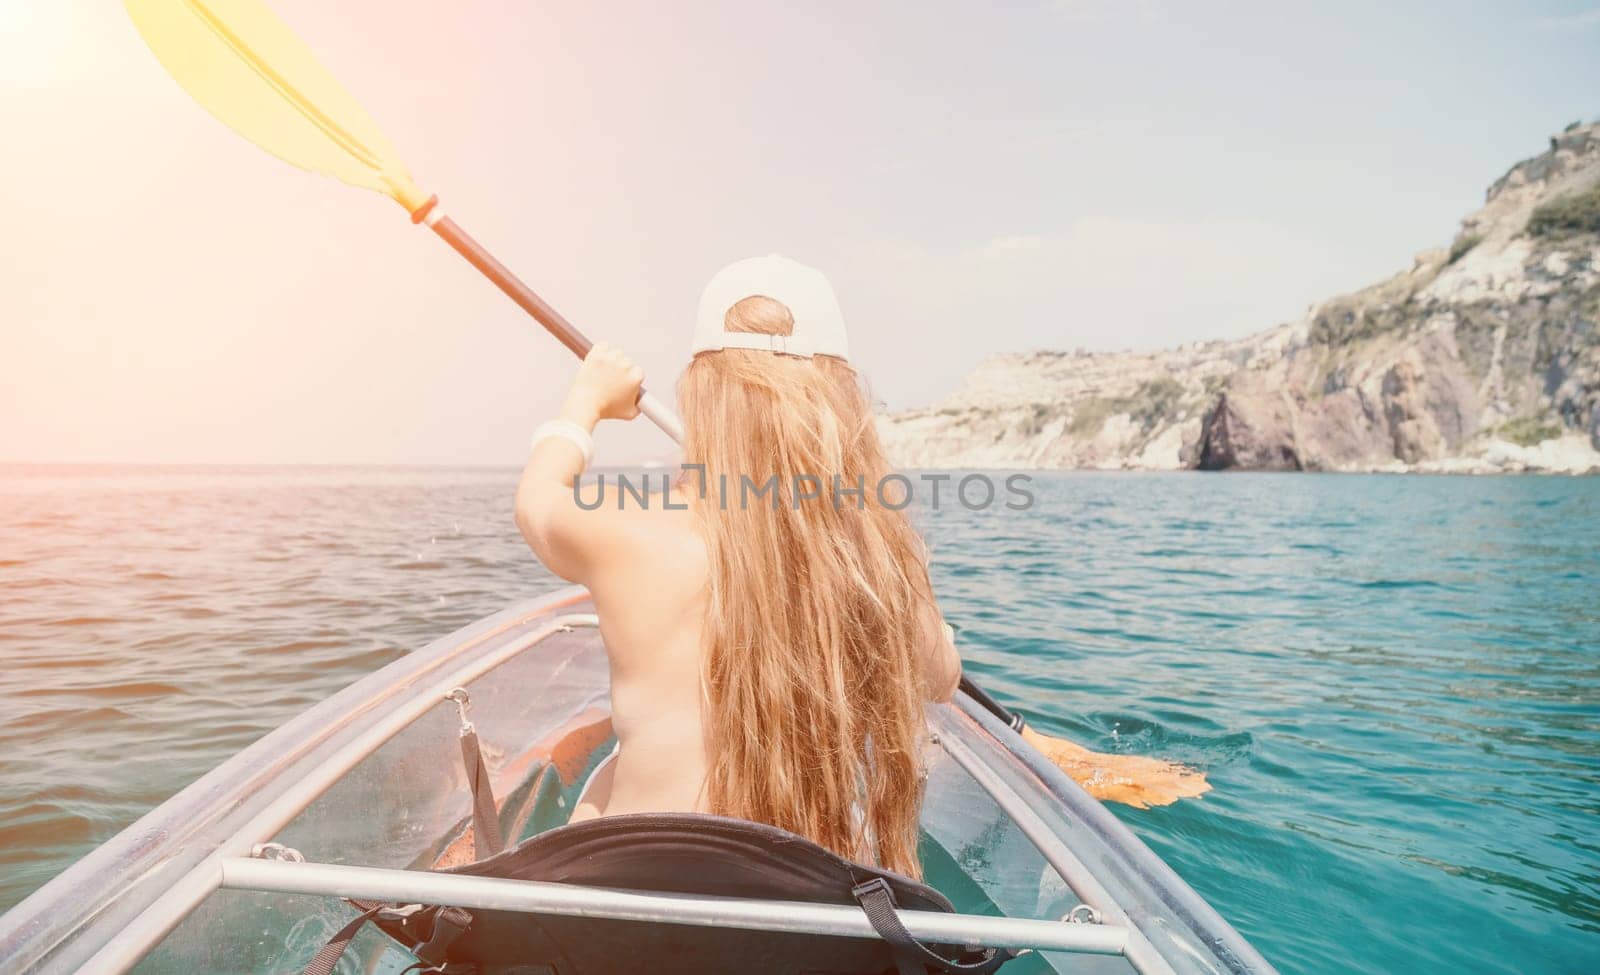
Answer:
(1393, 682)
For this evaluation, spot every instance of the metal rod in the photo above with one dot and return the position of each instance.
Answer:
(533, 897)
(144, 932)
(1142, 955)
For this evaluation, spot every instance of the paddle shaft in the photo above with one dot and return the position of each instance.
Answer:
(982, 698)
(553, 321)
(568, 335)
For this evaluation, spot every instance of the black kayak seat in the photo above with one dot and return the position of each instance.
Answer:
(680, 853)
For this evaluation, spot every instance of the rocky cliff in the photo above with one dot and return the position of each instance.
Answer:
(1483, 356)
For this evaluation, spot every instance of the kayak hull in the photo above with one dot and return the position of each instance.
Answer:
(373, 777)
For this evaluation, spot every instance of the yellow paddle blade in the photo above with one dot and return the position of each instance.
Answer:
(241, 62)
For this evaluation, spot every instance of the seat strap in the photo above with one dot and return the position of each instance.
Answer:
(912, 957)
(327, 957)
(485, 814)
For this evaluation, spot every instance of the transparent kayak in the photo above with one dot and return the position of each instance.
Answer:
(370, 790)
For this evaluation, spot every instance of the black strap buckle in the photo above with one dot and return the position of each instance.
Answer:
(874, 886)
(449, 924)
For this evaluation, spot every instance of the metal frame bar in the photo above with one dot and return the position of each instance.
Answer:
(144, 932)
(535, 897)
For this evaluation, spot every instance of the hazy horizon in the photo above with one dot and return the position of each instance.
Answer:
(976, 180)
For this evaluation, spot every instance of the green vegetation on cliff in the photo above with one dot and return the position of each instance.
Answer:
(1529, 431)
(1464, 243)
(1573, 213)
(1152, 402)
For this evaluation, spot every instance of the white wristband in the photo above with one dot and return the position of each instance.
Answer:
(567, 430)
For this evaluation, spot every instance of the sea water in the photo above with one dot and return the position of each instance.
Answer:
(1393, 683)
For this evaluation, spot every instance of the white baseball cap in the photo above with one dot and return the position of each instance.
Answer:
(818, 323)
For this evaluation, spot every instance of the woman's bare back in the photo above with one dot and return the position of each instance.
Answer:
(651, 604)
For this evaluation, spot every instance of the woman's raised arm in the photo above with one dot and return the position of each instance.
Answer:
(568, 539)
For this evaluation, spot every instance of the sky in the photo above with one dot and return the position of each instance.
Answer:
(975, 178)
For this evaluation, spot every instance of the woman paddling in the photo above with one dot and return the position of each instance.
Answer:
(770, 654)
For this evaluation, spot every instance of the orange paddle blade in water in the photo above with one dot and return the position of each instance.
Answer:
(1134, 780)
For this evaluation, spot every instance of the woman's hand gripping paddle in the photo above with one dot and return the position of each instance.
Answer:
(245, 66)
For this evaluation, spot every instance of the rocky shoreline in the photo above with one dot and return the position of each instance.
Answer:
(1482, 357)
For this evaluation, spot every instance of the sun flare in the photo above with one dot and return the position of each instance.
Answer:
(33, 38)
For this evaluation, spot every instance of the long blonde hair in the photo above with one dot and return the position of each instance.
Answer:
(816, 619)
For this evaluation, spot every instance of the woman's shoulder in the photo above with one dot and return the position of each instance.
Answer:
(654, 526)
